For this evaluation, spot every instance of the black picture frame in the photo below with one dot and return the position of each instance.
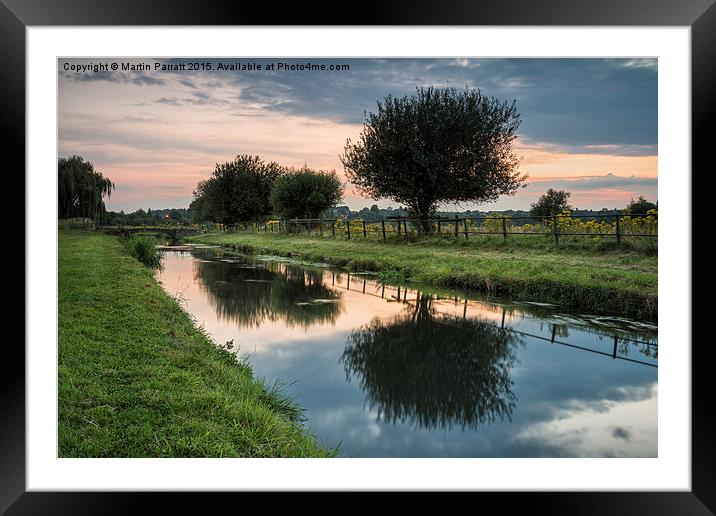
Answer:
(699, 15)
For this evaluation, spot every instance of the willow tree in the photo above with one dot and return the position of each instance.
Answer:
(81, 189)
(436, 146)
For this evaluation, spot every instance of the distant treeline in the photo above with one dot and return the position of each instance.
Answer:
(149, 217)
(375, 214)
(183, 216)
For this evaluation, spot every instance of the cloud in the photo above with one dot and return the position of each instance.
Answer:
(617, 150)
(651, 63)
(101, 75)
(595, 182)
(621, 433)
(572, 103)
(579, 105)
(173, 101)
(197, 98)
(147, 79)
(139, 79)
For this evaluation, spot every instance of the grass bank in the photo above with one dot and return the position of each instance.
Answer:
(137, 378)
(607, 279)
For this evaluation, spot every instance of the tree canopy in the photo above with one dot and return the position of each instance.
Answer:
(438, 145)
(551, 203)
(237, 191)
(306, 193)
(641, 206)
(81, 189)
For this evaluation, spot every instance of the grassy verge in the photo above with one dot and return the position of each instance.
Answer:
(137, 378)
(602, 280)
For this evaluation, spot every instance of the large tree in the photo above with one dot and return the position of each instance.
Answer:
(436, 146)
(237, 191)
(551, 203)
(81, 189)
(306, 193)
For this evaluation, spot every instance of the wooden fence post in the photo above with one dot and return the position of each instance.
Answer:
(333, 229)
(619, 233)
(364, 233)
(440, 233)
(504, 228)
(555, 231)
(320, 225)
(348, 227)
(456, 227)
(614, 352)
(382, 224)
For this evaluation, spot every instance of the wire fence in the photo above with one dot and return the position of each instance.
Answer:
(616, 226)
(620, 345)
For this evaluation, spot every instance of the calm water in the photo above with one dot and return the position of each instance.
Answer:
(396, 372)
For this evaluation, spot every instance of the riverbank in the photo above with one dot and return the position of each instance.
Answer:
(137, 378)
(615, 281)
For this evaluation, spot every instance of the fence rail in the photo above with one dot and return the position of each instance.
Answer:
(617, 226)
(395, 294)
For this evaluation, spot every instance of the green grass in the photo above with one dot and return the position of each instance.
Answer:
(137, 378)
(598, 278)
(144, 248)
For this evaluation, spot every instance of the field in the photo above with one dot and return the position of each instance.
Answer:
(600, 278)
(137, 378)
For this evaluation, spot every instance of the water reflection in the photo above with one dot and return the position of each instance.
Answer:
(248, 294)
(389, 371)
(433, 370)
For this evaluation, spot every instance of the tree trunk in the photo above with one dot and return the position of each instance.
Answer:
(425, 222)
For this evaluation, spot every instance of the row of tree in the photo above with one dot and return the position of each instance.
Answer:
(555, 202)
(374, 214)
(150, 217)
(434, 147)
(248, 188)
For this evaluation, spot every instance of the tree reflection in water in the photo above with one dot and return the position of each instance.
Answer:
(433, 370)
(249, 294)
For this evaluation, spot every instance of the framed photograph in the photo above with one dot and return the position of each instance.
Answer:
(416, 250)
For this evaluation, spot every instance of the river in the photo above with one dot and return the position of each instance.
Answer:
(385, 371)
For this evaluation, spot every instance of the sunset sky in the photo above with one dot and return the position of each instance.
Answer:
(588, 125)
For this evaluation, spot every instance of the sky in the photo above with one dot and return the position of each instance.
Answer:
(588, 126)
